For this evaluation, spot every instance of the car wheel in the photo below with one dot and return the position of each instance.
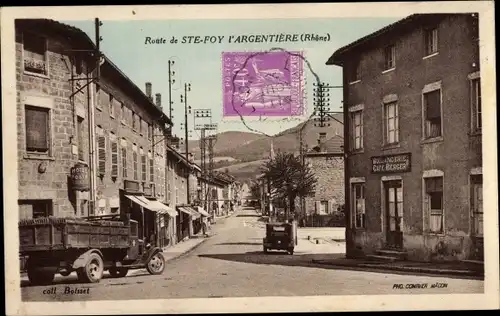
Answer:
(156, 265)
(93, 269)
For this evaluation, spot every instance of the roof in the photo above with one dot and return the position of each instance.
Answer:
(178, 155)
(78, 36)
(407, 23)
(333, 145)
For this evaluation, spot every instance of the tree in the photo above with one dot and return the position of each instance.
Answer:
(289, 178)
(255, 190)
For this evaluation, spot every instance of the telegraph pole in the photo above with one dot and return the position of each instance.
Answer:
(171, 81)
(203, 114)
(187, 109)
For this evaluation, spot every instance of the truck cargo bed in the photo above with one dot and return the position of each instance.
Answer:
(55, 233)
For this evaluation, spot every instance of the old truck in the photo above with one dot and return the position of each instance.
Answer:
(88, 246)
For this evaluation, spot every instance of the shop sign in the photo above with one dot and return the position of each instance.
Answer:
(80, 177)
(391, 163)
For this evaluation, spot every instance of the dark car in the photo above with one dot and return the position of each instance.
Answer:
(279, 236)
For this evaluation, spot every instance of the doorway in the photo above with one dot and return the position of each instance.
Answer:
(393, 195)
(477, 216)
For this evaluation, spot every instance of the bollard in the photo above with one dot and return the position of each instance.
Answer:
(317, 241)
(308, 237)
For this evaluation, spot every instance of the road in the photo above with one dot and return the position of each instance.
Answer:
(232, 264)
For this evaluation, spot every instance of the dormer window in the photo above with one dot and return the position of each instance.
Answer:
(35, 53)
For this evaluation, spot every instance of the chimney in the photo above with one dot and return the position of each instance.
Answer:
(149, 90)
(158, 100)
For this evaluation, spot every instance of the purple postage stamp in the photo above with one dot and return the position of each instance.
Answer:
(263, 83)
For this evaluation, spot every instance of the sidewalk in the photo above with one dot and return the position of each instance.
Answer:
(440, 268)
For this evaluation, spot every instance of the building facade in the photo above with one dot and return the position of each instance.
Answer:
(414, 160)
(65, 119)
(52, 119)
(326, 160)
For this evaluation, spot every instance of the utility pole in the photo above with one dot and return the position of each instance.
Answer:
(203, 114)
(187, 109)
(171, 81)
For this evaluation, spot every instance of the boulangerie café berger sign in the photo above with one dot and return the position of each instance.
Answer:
(391, 163)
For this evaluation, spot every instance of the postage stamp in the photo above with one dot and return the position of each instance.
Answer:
(263, 83)
(249, 158)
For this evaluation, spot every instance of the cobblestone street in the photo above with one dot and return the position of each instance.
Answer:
(232, 264)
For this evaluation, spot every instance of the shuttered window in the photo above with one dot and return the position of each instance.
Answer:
(101, 151)
(151, 170)
(81, 139)
(124, 163)
(35, 53)
(37, 129)
(143, 167)
(114, 159)
(136, 169)
(433, 120)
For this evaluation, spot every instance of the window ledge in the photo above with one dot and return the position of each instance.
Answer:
(112, 116)
(99, 108)
(123, 123)
(35, 74)
(354, 82)
(388, 70)
(432, 140)
(39, 157)
(431, 55)
(83, 162)
(436, 234)
(357, 151)
(475, 133)
(391, 146)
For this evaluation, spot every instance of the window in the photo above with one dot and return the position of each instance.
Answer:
(143, 167)
(151, 169)
(431, 41)
(140, 126)
(476, 105)
(124, 114)
(391, 135)
(104, 100)
(390, 57)
(35, 53)
(37, 130)
(477, 204)
(114, 158)
(111, 106)
(358, 204)
(101, 150)
(35, 208)
(134, 127)
(149, 130)
(136, 168)
(357, 130)
(434, 203)
(432, 109)
(323, 206)
(353, 74)
(81, 138)
(124, 162)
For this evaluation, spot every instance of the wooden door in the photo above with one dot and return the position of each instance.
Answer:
(393, 191)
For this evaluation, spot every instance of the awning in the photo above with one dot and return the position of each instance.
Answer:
(190, 211)
(203, 212)
(162, 208)
(136, 199)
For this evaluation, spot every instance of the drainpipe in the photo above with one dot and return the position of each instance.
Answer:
(92, 142)
(347, 186)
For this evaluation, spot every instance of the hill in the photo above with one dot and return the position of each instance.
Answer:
(225, 141)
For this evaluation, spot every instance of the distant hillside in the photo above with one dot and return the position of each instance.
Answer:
(286, 141)
(225, 141)
(250, 156)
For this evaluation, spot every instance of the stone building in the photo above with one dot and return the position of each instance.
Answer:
(326, 161)
(413, 97)
(52, 120)
(60, 116)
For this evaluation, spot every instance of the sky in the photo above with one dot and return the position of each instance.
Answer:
(124, 43)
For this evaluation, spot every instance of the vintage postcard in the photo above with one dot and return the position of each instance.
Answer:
(250, 158)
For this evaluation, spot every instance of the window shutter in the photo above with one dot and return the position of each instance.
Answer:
(136, 175)
(317, 206)
(151, 170)
(37, 129)
(143, 165)
(433, 104)
(124, 163)
(102, 154)
(114, 159)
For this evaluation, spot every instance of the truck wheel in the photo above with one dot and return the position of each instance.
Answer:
(290, 251)
(118, 272)
(39, 276)
(93, 269)
(156, 264)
